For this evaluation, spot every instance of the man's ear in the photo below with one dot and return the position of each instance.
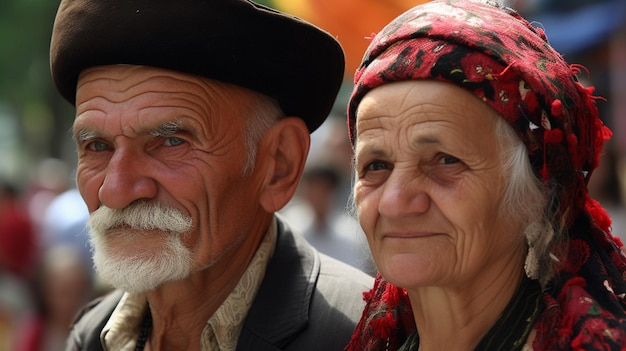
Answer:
(287, 146)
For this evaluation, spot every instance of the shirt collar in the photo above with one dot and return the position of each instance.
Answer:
(222, 329)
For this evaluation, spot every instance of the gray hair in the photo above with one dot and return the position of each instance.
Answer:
(261, 113)
(528, 201)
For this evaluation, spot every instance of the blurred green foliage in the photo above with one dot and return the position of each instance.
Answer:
(34, 120)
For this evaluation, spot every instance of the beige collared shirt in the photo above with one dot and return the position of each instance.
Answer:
(221, 331)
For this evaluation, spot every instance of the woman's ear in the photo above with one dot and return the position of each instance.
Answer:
(287, 146)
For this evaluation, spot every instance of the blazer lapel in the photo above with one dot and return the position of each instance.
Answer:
(281, 307)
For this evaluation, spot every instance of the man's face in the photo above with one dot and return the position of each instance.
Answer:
(150, 139)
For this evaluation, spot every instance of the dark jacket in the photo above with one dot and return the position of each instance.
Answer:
(307, 301)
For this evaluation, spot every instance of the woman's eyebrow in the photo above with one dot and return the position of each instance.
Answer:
(370, 150)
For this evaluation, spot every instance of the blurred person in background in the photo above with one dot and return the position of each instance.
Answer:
(18, 240)
(51, 178)
(319, 207)
(329, 229)
(475, 142)
(65, 223)
(62, 285)
(18, 252)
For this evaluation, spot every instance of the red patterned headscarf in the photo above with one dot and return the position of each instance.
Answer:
(506, 62)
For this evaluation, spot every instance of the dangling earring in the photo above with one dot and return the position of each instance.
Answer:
(531, 266)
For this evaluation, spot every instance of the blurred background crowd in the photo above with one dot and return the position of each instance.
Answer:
(45, 268)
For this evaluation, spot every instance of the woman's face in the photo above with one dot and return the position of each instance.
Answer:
(430, 186)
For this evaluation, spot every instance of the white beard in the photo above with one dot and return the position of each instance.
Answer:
(143, 270)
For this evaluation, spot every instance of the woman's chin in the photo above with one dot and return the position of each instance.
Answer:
(408, 270)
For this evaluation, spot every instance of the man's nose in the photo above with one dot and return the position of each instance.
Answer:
(128, 178)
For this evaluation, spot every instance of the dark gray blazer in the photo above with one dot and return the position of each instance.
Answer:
(307, 301)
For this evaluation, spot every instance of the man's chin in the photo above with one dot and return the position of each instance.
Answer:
(136, 276)
(140, 266)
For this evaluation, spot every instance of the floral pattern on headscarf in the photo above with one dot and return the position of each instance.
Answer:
(516, 72)
(509, 64)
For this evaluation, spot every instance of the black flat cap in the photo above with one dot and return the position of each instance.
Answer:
(235, 41)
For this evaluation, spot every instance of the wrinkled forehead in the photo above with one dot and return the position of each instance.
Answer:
(413, 107)
(151, 100)
(117, 83)
(123, 77)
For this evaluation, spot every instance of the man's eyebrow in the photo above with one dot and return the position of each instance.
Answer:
(166, 129)
(84, 134)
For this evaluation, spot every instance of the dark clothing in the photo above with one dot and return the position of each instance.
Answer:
(307, 301)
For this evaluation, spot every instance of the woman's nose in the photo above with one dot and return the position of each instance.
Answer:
(128, 178)
(404, 195)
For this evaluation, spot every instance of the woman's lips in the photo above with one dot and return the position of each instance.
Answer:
(409, 235)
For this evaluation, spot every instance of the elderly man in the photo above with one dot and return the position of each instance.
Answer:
(192, 128)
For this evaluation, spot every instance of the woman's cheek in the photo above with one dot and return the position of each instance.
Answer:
(366, 209)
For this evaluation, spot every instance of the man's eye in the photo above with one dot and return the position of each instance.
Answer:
(97, 146)
(173, 141)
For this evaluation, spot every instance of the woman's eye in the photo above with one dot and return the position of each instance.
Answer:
(377, 166)
(448, 160)
(97, 146)
(173, 141)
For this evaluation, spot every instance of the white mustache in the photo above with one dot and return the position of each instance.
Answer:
(142, 216)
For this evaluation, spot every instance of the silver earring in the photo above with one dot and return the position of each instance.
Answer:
(531, 266)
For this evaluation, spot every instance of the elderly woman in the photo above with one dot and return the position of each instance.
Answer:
(474, 142)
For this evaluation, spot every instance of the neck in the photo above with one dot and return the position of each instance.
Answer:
(457, 318)
(181, 309)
